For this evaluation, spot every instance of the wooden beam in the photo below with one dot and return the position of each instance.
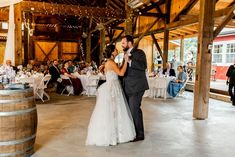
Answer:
(178, 24)
(203, 66)
(115, 5)
(122, 5)
(104, 24)
(118, 37)
(151, 14)
(4, 15)
(62, 9)
(48, 54)
(160, 30)
(41, 49)
(226, 19)
(190, 29)
(177, 32)
(186, 9)
(231, 4)
(184, 31)
(192, 21)
(118, 28)
(147, 8)
(146, 31)
(157, 45)
(4, 31)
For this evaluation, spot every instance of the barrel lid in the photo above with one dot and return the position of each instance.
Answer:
(13, 91)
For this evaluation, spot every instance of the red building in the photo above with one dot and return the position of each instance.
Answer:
(223, 53)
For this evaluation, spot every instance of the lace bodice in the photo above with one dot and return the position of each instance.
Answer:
(111, 75)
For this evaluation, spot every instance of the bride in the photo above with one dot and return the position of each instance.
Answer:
(111, 122)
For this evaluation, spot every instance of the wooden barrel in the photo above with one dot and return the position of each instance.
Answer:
(18, 123)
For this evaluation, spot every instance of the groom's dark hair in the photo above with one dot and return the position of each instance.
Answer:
(109, 50)
(129, 38)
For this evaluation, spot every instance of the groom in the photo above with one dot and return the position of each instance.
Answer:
(135, 83)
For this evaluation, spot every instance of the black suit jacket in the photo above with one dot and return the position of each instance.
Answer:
(135, 79)
(55, 73)
(171, 72)
(231, 74)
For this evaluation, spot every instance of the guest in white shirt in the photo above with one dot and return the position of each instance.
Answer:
(169, 71)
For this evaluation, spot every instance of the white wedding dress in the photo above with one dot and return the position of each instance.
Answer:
(111, 122)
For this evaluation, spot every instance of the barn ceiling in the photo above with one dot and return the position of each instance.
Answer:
(48, 22)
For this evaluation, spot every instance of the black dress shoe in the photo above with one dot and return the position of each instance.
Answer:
(138, 139)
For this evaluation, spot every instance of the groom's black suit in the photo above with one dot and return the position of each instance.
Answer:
(134, 84)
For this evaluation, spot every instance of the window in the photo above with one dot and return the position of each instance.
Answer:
(230, 53)
(217, 54)
(4, 25)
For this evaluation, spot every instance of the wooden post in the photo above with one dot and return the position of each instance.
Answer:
(166, 33)
(182, 49)
(128, 21)
(18, 34)
(165, 47)
(88, 47)
(157, 45)
(203, 67)
(26, 45)
(28, 40)
(102, 44)
(88, 42)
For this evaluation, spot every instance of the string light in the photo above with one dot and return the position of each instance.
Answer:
(61, 9)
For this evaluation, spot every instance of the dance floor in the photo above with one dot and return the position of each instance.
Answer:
(169, 129)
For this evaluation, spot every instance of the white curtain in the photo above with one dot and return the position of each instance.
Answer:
(5, 3)
(10, 45)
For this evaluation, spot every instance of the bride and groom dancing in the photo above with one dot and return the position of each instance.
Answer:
(117, 116)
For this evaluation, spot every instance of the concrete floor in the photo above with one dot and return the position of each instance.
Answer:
(169, 129)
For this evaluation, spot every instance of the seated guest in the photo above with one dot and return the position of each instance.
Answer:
(30, 65)
(10, 70)
(168, 71)
(94, 66)
(190, 70)
(71, 67)
(175, 86)
(77, 85)
(46, 70)
(55, 76)
(10, 66)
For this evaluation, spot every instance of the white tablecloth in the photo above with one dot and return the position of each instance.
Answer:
(86, 80)
(157, 87)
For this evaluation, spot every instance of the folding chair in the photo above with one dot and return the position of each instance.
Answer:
(68, 87)
(92, 83)
(182, 89)
(39, 89)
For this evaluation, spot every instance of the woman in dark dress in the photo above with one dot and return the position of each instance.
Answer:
(77, 85)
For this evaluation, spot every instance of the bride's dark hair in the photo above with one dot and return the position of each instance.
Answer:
(108, 50)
